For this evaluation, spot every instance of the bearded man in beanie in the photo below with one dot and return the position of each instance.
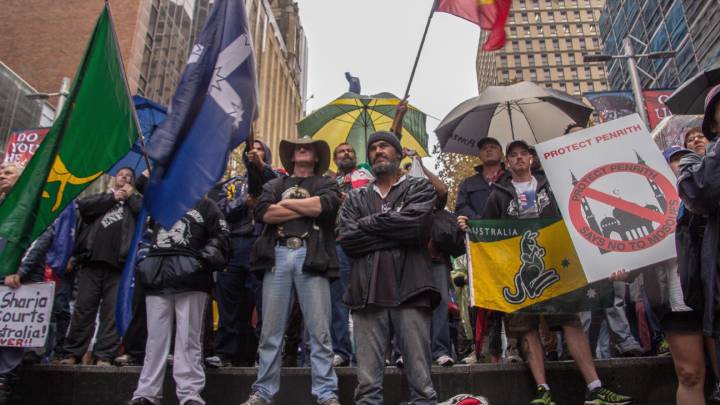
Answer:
(385, 229)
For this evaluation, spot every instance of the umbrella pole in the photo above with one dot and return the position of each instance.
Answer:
(512, 129)
(422, 43)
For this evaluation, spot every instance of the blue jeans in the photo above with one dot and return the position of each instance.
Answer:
(340, 314)
(440, 327)
(313, 292)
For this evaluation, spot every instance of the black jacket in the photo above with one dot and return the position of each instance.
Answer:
(92, 210)
(405, 230)
(321, 256)
(473, 194)
(183, 258)
(503, 201)
(32, 267)
(699, 187)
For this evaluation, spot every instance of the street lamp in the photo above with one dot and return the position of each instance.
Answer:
(633, 68)
(61, 95)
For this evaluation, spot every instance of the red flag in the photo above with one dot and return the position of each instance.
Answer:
(490, 15)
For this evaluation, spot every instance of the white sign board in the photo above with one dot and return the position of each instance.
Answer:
(25, 314)
(616, 193)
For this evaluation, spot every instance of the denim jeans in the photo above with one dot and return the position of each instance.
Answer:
(411, 328)
(440, 327)
(313, 292)
(617, 323)
(340, 313)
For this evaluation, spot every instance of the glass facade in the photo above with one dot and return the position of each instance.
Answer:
(17, 111)
(689, 27)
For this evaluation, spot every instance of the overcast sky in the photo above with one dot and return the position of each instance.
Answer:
(376, 40)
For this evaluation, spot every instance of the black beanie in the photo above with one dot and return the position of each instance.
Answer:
(386, 136)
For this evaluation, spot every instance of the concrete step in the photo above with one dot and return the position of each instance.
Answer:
(648, 380)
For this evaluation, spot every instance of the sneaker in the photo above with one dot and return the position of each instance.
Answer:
(103, 363)
(715, 396)
(125, 360)
(256, 399)
(140, 401)
(217, 362)
(69, 360)
(512, 356)
(399, 363)
(31, 357)
(470, 359)
(339, 361)
(542, 397)
(331, 401)
(663, 349)
(445, 361)
(603, 396)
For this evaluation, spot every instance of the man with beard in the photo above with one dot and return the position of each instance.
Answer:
(385, 229)
(349, 176)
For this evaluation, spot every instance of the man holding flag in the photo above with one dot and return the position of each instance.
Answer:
(525, 195)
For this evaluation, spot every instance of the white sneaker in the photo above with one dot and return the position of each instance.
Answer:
(470, 359)
(445, 361)
(338, 361)
(399, 363)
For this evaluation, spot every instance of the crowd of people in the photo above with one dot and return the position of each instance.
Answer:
(301, 266)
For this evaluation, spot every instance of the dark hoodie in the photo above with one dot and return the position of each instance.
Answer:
(232, 202)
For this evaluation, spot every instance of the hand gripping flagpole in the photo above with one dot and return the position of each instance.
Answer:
(419, 52)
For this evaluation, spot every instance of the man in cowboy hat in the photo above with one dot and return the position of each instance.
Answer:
(296, 251)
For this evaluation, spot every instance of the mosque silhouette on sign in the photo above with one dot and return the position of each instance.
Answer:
(623, 225)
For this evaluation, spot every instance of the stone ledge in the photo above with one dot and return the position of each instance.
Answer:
(648, 380)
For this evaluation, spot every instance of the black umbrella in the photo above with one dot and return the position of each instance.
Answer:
(689, 98)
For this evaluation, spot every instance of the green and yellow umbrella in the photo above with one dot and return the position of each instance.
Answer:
(352, 118)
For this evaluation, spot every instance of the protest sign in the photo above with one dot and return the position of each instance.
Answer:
(22, 144)
(25, 314)
(616, 193)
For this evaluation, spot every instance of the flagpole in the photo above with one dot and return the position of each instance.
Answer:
(419, 52)
(141, 137)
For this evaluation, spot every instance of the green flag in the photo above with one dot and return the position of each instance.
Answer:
(96, 127)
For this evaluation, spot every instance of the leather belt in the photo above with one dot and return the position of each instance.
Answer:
(292, 242)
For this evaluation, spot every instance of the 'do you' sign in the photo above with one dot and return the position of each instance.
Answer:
(616, 193)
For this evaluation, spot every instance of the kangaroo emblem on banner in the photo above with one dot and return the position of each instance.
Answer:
(532, 278)
(60, 173)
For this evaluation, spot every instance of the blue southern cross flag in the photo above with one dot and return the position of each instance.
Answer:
(210, 115)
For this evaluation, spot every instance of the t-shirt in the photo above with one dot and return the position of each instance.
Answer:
(527, 198)
(296, 188)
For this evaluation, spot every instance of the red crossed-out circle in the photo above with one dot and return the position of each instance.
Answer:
(666, 221)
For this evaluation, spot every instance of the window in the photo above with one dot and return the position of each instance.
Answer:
(513, 31)
(524, 17)
(533, 75)
(503, 61)
(574, 73)
(544, 60)
(561, 74)
(563, 16)
(516, 59)
(535, 4)
(543, 47)
(546, 74)
(556, 44)
(515, 46)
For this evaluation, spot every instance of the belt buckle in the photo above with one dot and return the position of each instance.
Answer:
(294, 242)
